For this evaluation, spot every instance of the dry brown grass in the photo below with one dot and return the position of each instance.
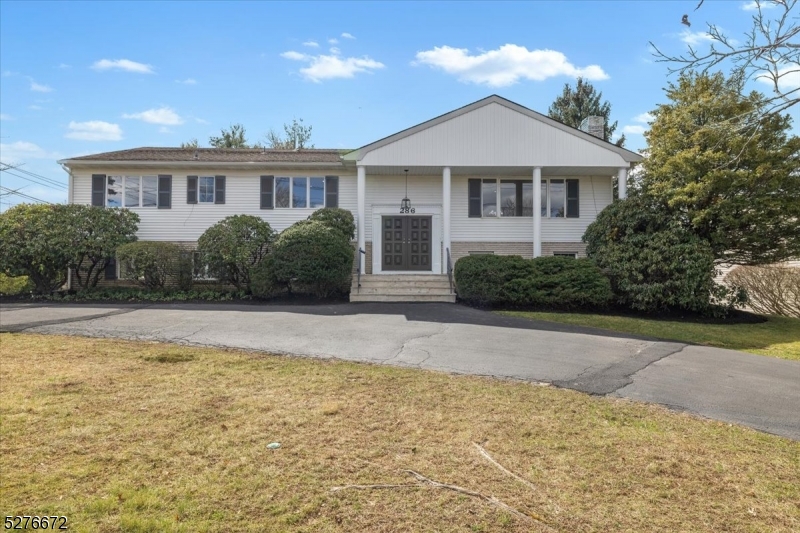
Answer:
(124, 436)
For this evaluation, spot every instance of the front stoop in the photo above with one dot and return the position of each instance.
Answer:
(402, 288)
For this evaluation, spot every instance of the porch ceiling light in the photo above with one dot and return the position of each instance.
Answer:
(406, 203)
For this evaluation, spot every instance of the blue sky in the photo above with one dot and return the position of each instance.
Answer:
(80, 78)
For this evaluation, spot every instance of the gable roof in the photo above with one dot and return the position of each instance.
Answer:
(359, 153)
(213, 155)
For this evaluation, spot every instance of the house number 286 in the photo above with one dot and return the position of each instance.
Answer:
(407, 210)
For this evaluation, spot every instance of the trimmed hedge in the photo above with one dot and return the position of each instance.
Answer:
(559, 283)
(156, 265)
(336, 218)
(312, 258)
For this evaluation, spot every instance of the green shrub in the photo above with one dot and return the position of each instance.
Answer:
(480, 278)
(155, 264)
(310, 257)
(653, 262)
(35, 242)
(544, 283)
(560, 283)
(233, 247)
(95, 234)
(263, 283)
(11, 286)
(336, 218)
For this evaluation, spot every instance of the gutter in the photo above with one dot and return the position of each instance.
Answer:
(198, 164)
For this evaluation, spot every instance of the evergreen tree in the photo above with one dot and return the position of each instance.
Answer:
(575, 104)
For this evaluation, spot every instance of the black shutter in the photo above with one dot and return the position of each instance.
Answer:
(111, 269)
(267, 192)
(164, 191)
(474, 187)
(191, 189)
(99, 190)
(572, 198)
(219, 189)
(331, 191)
(519, 195)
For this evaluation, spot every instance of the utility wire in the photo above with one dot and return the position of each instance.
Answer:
(23, 195)
(32, 180)
(32, 174)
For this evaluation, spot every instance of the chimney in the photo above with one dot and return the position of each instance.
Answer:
(594, 126)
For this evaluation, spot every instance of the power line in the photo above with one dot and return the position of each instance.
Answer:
(23, 195)
(44, 184)
(49, 181)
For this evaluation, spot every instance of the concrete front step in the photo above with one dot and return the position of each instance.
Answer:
(449, 298)
(402, 288)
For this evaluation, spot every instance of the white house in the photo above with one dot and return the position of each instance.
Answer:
(465, 182)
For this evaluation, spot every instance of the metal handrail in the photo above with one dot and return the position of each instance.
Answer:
(449, 269)
(358, 267)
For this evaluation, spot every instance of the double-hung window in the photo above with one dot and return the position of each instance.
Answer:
(490, 198)
(205, 189)
(299, 192)
(132, 191)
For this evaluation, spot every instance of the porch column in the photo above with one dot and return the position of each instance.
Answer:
(622, 183)
(445, 214)
(361, 216)
(537, 211)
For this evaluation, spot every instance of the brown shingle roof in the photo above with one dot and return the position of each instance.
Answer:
(218, 155)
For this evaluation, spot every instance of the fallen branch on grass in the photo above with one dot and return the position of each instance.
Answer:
(489, 458)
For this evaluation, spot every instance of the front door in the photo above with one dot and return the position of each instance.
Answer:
(406, 243)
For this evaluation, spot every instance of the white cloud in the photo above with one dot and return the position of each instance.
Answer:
(633, 129)
(325, 67)
(505, 66)
(64, 66)
(21, 151)
(94, 130)
(333, 41)
(201, 121)
(753, 5)
(187, 81)
(788, 78)
(346, 35)
(164, 129)
(35, 107)
(693, 38)
(165, 116)
(39, 88)
(311, 44)
(335, 51)
(123, 64)
(4, 116)
(644, 118)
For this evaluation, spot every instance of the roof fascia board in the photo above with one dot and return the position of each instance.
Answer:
(197, 164)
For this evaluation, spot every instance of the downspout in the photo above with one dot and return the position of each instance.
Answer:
(69, 201)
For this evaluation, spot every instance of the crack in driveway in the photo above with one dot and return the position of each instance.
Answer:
(17, 328)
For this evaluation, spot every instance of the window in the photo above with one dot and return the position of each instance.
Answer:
(544, 198)
(132, 191)
(316, 193)
(489, 195)
(557, 198)
(206, 189)
(301, 192)
(516, 198)
(573, 255)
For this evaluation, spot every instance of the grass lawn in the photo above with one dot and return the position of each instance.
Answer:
(777, 337)
(125, 436)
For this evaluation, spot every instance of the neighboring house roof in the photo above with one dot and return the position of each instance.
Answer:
(213, 155)
(359, 153)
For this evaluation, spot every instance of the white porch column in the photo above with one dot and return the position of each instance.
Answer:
(445, 215)
(537, 211)
(361, 216)
(622, 183)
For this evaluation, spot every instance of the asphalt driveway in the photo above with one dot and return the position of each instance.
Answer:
(757, 391)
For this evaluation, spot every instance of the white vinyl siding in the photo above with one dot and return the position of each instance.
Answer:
(186, 222)
(494, 136)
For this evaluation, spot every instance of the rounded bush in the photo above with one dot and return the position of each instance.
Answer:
(311, 257)
(336, 218)
(480, 278)
(155, 264)
(654, 263)
(233, 247)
